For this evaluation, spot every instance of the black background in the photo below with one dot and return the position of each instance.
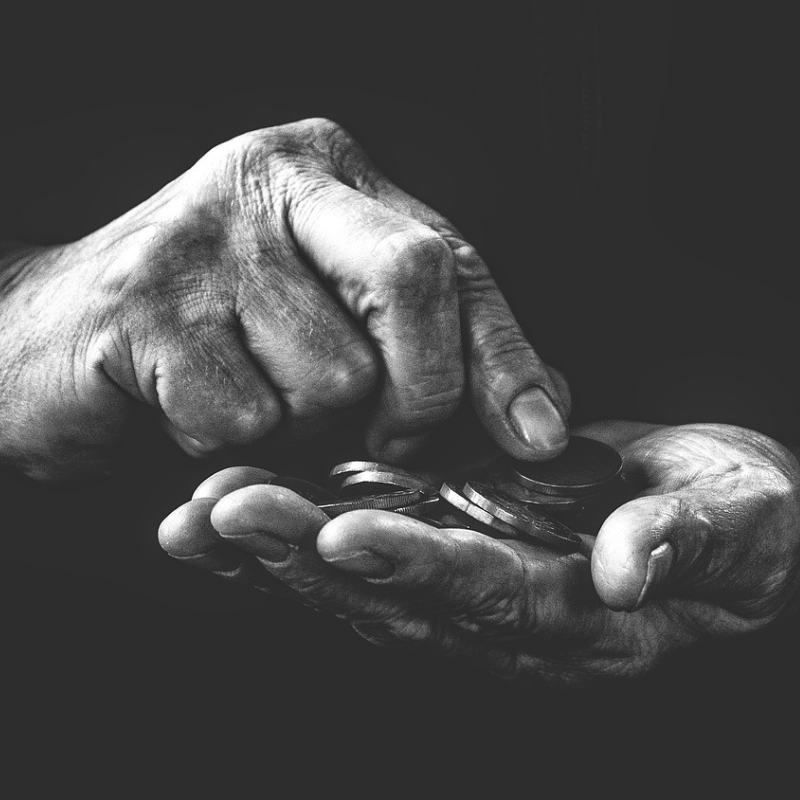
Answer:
(674, 304)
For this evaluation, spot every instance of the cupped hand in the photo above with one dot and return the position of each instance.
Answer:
(709, 547)
(277, 282)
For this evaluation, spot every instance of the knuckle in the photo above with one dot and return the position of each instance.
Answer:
(248, 148)
(499, 338)
(317, 137)
(325, 131)
(494, 611)
(502, 352)
(176, 267)
(194, 314)
(213, 403)
(347, 380)
(248, 420)
(779, 488)
(399, 630)
(334, 380)
(252, 173)
(414, 261)
(334, 146)
(424, 404)
(471, 267)
(504, 600)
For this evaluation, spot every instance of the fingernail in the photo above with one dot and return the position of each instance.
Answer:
(537, 420)
(364, 563)
(658, 565)
(217, 559)
(264, 545)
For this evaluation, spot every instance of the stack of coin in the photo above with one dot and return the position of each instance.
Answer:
(356, 478)
(483, 507)
(372, 484)
(580, 481)
(399, 501)
(543, 502)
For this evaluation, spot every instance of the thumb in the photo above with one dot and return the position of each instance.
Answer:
(645, 546)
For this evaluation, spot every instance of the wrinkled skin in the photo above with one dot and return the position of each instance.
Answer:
(722, 503)
(277, 283)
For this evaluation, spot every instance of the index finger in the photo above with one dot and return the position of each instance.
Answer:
(486, 586)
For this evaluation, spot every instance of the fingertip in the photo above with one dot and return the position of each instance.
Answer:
(348, 556)
(382, 533)
(632, 557)
(269, 509)
(187, 531)
(563, 396)
(520, 405)
(241, 510)
(347, 533)
(538, 423)
(230, 479)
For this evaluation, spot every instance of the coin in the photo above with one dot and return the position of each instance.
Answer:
(452, 495)
(386, 502)
(526, 495)
(423, 507)
(310, 491)
(524, 518)
(349, 467)
(373, 480)
(346, 468)
(426, 510)
(585, 467)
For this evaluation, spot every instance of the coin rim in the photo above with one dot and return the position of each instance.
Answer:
(416, 483)
(561, 534)
(348, 468)
(562, 489)
(403, 496)
(469, 508)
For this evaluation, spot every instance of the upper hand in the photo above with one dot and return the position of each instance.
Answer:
(279, 280)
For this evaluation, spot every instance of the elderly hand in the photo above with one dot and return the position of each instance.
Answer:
(277, 282)
(709, 547)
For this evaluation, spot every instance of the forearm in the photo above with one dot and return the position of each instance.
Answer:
(15, 258)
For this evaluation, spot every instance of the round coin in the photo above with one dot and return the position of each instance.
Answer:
(523, 494)
(373, 479)
(527, 519)
(550, 503)
(451, 495)
(385, 502)
(585, 467)
(347, 468)
(425, 506)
